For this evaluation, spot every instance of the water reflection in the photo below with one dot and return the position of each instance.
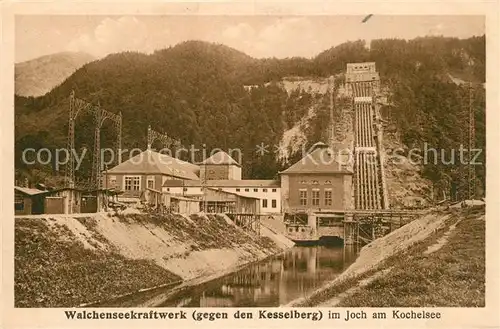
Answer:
(273, 282)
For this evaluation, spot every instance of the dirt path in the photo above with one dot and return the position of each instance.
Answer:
(442, 240)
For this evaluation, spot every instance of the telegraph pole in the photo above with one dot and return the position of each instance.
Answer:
(472, 145)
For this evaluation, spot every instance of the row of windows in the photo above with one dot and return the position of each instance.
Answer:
(133, 183)
(315, 197)
(256, 190)
(237, 190)
(265, 203)
(315, 182)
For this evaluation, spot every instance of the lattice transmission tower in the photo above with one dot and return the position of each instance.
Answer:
(166, 140)
(472, 146)
(76, 105)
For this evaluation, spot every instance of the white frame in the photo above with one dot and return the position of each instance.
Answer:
(132, 185)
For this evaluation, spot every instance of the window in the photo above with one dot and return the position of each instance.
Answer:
(303, 197)
(112, 181)
(247, 190)
(237, 190)
(303, 181)
(274, 190)
(264, 203)
(151, 182)
(315, 182)
(185, 189)
(315, 197)
(132, 183)
(328, 197)
(19, 202)
(264, 190)
(328, 182)
(273, 203)
(256, 190)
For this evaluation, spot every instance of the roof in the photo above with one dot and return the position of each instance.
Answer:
(151, 162)
(320, 160)
(182, 198)
(220, 158)
(29, 191)
(224, 183)
(233, 193)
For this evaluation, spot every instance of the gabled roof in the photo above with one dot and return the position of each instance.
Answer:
(151, 162)
(224, 183)
(319, 160)
(220, 158)
(29, 191)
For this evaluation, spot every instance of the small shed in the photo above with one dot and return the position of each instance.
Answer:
(175, 203)
(28, 201)
(184, 205)
(64, 200)
(68, 200)
(219, 201)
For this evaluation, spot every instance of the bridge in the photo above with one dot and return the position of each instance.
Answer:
(352, 226)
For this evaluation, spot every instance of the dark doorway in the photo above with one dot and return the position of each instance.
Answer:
(89, 204)
(37, 206)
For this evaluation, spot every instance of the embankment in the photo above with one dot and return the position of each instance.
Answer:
(62, 260)
(437, 260)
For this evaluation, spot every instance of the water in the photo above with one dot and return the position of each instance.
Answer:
(273, 282)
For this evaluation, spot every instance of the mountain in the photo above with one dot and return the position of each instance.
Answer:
(38, 76)
(210, 95)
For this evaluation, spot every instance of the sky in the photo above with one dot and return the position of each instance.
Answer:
(257, 36)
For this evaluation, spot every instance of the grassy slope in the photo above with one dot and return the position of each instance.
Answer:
(51, 272)
(453, 276)
(53, 269)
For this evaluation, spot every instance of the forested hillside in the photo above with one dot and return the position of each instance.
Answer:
(195, 92)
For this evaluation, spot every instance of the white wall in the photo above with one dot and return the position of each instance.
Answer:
(366, 99)
(260, 194)
(190, 191)
(235, 172)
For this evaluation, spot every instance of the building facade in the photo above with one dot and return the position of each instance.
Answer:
(220, 166)
(316, 183)
(28, 201)
(148, 169)
(361, 72)
(267, 191)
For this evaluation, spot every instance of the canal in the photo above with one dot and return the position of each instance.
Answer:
(273, 282)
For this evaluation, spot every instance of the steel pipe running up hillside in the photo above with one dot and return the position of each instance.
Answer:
(368, 185)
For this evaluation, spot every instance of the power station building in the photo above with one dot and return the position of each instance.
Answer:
(220, 172)
(317, 182)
